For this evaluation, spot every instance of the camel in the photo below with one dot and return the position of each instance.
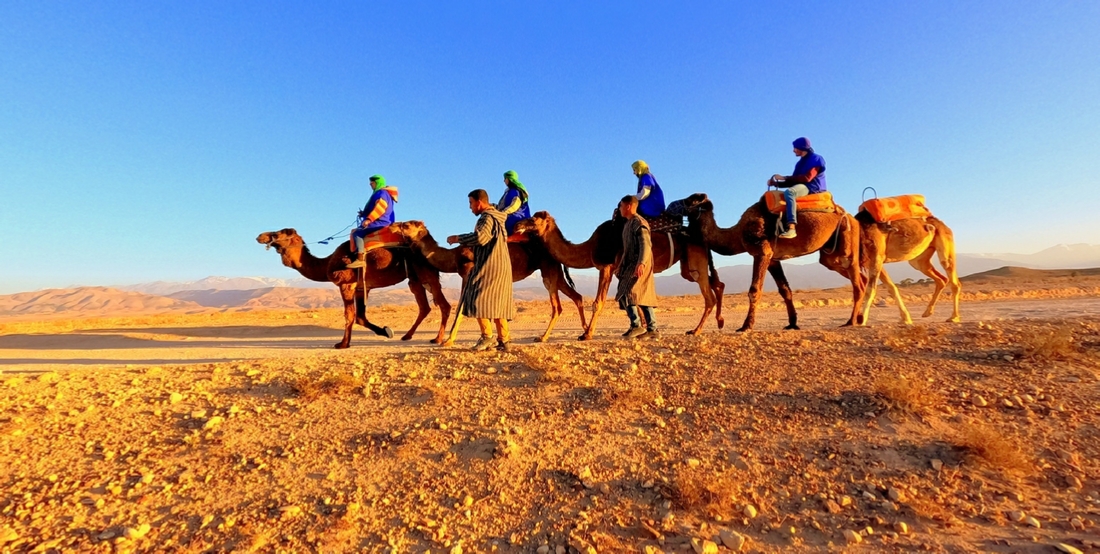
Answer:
(526, 259)
(385, 267)
(834, 235)
(915, 241)
(602, 251)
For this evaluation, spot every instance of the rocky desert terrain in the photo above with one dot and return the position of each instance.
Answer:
(245, 432)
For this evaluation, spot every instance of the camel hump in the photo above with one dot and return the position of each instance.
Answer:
(893, 208)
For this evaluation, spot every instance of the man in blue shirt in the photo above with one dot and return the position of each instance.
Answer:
(808, 178)
(376, 216)
(651, 201)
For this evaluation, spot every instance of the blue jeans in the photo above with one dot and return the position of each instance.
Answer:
(647, 311)
(791, 195)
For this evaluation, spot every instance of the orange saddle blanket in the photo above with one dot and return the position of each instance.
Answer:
(893, 208)
(820, 202)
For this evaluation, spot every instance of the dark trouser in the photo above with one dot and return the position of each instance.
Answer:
(647, 311)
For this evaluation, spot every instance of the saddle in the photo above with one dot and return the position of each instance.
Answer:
(894, 208)
(820, 202)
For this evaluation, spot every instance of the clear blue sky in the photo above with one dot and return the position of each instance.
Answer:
(154, 140)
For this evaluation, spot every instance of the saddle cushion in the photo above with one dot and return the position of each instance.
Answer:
(893, 208)
(820, 202)
(382, 238)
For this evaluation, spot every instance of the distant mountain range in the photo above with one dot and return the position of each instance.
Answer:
(265, 293)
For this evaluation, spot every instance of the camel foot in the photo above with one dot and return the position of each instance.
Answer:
(387, 332)
(540, 339)
(341, 345)
(954, 319)
(436, 340)
(692, 332)
(447, 344)
(792, 327)
(745, 328)
(907, 322)
(927, 313)
(721, 322)
(406, 336)
(584, 337)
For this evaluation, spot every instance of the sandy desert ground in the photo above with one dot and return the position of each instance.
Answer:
(246, 432)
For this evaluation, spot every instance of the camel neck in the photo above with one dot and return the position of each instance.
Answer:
(727, 242)
(577, 256)
(299, 258)
(443, 259)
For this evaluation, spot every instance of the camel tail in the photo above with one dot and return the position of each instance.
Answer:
(568, 277)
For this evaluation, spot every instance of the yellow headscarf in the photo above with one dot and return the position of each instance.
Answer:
(640, 167)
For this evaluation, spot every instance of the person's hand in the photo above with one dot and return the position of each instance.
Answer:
(639, 271)
(453, 239)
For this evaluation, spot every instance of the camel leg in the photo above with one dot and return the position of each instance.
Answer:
(890, 286)
(760, 263)
(347, 294)
(923, 264)
(422, 305)
(550, 281)
(945, 249)
(845, 260)
(784, 286)
(572, 294)
(699, 271)
(874, 256)
(361, 317)
(719, 289)
(444, 310)
(597, 305)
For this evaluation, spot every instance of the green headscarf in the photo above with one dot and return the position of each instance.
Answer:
(377, 182)
(513, 181)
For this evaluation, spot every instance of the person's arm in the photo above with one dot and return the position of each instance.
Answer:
(645, 186)
(380, 206)
(513, 207)
(483, 233)
(800, 179)
(645, 261)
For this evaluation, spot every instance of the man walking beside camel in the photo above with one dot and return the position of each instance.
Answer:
(635, 274)
(488, 292)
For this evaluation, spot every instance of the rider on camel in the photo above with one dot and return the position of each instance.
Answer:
(374, 218)
(808, 178)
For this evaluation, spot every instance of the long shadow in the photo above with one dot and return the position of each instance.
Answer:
(93, 361)
(99, 341)
(225, 332)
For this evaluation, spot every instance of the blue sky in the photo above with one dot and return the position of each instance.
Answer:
(153, 141)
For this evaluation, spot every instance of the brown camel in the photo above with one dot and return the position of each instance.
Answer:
(385, 267)
(915, 240)
(834, 235)
(602, 251)
(526, 259)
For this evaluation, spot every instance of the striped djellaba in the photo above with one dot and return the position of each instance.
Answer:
(488, 292)
(637, 250)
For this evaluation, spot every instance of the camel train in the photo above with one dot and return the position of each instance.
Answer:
(882, 231)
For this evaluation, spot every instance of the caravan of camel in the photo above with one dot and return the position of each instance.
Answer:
(853, 246)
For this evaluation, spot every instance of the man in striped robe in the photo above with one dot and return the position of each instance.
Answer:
(635, 273)
(488, 292)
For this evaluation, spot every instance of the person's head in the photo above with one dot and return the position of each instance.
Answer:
(628, 206)
(511, 178)
(479, 201)
(802, 146)
(377, 182)
(640, 168)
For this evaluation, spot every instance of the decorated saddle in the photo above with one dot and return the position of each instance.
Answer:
(820, 202)
(894, 208)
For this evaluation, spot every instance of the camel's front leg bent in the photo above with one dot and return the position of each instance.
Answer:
(551, 284)
(890, 286)
(347, 294)
(361, 317)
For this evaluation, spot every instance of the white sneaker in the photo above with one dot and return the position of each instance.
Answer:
(788, 234)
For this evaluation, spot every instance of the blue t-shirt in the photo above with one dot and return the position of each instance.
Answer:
(654, 204)
(803, 167)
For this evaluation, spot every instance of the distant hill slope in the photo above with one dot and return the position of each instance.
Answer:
(90, 301)
(1012, 273)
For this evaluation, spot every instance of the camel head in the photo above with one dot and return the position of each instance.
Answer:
(540, 224)
(697, 204)
(410, 231)
(280, 240)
